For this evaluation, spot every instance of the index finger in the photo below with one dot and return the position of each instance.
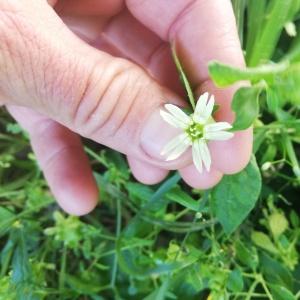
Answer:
(202, 31)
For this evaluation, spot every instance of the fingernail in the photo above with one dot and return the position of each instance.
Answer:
(156, 134)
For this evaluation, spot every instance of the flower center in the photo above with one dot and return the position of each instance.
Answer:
(195, 131)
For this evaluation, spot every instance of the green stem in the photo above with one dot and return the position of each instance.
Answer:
(263, 283)
(96, 156)
(252, 289)
(118, 231)
(256, 295)
(291, 155)
(184, 79)
(62, 272)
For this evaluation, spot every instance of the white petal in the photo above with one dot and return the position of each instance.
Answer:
(217, 126)
(197, 159)
(180, 149)
(204, 110)
(178, 114)
(218, 135)
(204, 151)
(209, 107)
(172, 120)
(174, 143)
(201, 104)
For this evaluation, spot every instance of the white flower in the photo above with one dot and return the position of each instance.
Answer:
(197, 129)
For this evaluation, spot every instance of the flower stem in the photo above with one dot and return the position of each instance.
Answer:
(184, 79)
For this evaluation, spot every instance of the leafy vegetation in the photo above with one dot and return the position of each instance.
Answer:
(239, 240)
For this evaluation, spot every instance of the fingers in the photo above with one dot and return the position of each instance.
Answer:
(52, 2)
(141, 45)
(106, 99)
(61, 157)
(113, 40)
(90, 7)
(109, 100)
(202, 31)
(202, 181)
(233, 155)
(153, 54)
(146, 173)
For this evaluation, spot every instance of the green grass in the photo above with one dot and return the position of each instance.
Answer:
(239, 240)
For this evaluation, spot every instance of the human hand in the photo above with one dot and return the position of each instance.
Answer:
(57, 85)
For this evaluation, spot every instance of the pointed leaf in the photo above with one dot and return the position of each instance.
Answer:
(246, 107)
(235, 196)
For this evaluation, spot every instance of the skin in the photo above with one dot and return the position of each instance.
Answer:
(102, 70)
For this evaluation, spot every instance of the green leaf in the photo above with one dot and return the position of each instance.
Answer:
(22, 272)
(235, 281)
(283, 78)
(83, 286)
(246, 107)
(235, 196)
(6, 255)
(273, 100)
(294, 218)
(224, 75)
(132, 263)
(159, 293)
(255, 17)
(184, 79)
(287, 84)
(246, 254)
(179, 196)
(278, 223)
(21, 268)
(275, 272)
(157, 201)
(281, 293)
(277, 14)
(187, 283)
(259, 138)
(6, 220)
(239, 8)
(139, 191)
(262, 240)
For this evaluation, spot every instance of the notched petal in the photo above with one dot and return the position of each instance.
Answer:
(218, 135)
(217, 126)
(178, 114)
(171, 119)
(197, 158)
(205, 154)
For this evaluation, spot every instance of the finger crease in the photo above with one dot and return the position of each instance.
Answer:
(172, 28)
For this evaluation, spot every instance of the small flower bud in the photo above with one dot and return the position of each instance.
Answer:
(290, 29)
(266, 166)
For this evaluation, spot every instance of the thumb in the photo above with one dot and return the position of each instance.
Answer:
(107, 99)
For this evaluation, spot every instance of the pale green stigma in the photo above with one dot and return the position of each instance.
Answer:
(195, 131)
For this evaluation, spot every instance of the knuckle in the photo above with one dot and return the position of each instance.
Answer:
(62, 80)
(108, 99)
